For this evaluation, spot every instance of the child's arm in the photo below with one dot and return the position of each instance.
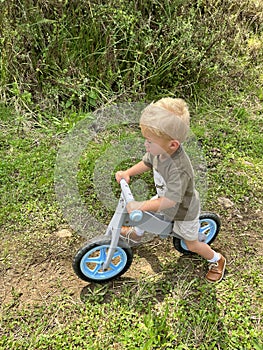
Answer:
(153, 205)
(136, 169)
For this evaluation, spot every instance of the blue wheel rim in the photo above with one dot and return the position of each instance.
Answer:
(208, 228)
(92, 262)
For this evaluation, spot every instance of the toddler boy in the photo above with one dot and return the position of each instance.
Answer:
(165, 125)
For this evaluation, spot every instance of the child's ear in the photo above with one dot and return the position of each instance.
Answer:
(174, 145)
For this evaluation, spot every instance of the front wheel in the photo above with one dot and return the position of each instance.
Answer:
(89, 260)
(209, 228)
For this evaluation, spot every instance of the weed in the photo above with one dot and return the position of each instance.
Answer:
(57, 65)
(76, 57)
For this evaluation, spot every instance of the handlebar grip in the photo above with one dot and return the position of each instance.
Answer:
(126, 191)
(136, 215)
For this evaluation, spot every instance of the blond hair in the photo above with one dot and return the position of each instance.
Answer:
(168, 118)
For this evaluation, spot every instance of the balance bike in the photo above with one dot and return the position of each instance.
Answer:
(109, 256)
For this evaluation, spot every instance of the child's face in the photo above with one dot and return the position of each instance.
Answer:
(157, 145)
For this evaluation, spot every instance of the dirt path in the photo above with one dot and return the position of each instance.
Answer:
(39, 279)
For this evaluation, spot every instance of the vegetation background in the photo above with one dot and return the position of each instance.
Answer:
(60, 61)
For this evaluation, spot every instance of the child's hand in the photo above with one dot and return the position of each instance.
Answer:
(122, 175)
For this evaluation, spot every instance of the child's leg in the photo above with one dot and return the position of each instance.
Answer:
(200, 248)
(216, 260)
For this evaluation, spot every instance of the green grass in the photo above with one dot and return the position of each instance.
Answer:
(57, 65)
(76, 56)
(169, 307)
(151, 313)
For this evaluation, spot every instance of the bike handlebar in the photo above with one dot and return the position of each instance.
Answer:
(135, 215)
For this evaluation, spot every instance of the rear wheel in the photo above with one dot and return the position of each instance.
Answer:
(209, 228)
(89, 260)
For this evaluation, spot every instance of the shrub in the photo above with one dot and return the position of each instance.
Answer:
(78, 54)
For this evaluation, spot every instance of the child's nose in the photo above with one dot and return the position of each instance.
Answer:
(146, 145)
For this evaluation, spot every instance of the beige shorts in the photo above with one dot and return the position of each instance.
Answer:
(188, 230)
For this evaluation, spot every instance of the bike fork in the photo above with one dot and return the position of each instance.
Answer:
(114, 229)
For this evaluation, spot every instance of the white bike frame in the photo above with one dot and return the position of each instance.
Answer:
(144, 220)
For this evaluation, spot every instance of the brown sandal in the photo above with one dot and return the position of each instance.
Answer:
(216, 270)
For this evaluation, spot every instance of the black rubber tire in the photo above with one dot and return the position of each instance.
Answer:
(212, 217)
(101, 276)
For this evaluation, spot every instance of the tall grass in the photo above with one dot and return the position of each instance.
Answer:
(76, 55)
(61, 58)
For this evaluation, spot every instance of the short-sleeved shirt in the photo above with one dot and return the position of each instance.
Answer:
(174, 179)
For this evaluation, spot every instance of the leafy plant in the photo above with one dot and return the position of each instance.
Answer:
(77, 56)
(58, 63)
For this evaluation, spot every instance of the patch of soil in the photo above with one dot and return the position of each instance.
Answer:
(51, 276)
(39, 282)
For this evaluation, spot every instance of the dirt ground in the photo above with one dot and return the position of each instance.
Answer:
(41, 281)
(38, 278)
